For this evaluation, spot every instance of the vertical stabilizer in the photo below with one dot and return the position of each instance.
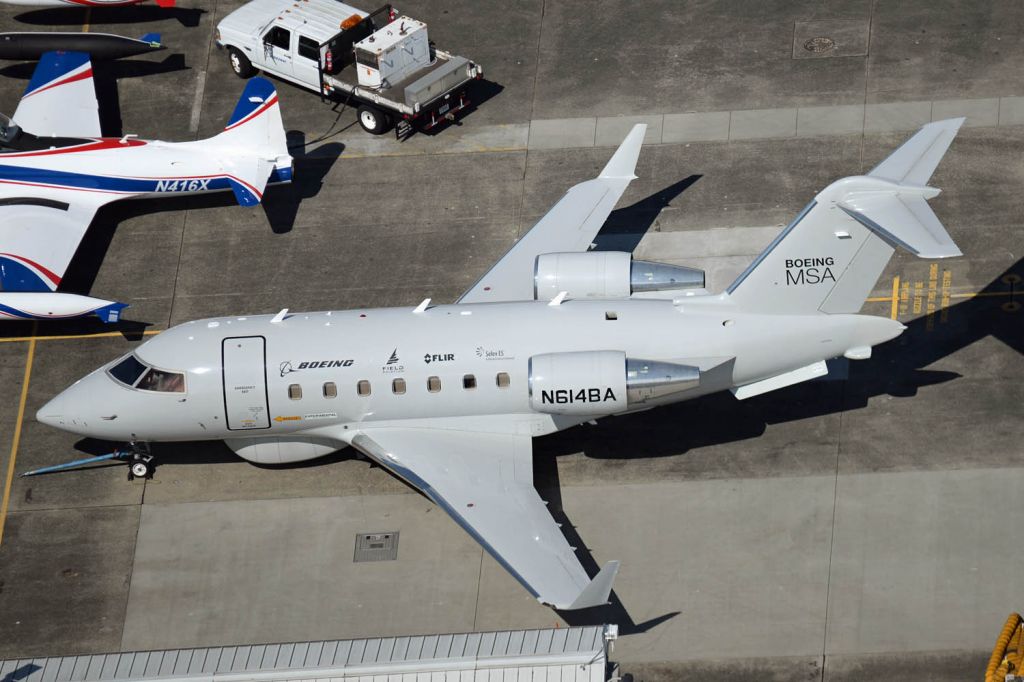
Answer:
(830, 257)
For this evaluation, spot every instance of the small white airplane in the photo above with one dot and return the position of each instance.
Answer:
(449, 397)
(56, 171)
(82, 3)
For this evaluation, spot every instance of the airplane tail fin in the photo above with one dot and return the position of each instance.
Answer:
(256, 131)
(830, 257)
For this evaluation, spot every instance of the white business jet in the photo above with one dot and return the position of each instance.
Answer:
(448, 397)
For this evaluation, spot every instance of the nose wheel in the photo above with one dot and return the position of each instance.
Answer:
(140, 461)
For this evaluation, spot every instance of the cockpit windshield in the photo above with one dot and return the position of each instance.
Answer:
(9, 131)
(134, 373)
(14, 139)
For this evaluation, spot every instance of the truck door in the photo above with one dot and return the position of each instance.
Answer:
(277, 55)
(306, 64)
(244, 359)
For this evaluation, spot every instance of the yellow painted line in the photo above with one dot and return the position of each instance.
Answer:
(985, 294)
(895, 297)
(88, 17)
(65, 337)
(17, 436)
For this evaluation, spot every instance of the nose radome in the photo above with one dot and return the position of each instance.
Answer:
(53, 412)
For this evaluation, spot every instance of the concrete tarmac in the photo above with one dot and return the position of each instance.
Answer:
(855, 529)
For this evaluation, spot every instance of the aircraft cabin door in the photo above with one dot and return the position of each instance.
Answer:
(245, 383)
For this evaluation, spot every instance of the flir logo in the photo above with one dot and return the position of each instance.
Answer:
(809, 270)
(438, 357)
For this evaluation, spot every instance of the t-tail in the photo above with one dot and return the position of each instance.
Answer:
(830, 257)
(255, 150)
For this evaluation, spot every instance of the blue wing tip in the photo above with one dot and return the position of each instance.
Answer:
(243, 194)
(151, 38)
(109, 314)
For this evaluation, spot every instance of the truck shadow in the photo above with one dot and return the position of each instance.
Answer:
(113, 15)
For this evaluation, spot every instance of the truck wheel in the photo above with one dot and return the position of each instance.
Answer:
(373, 121)
(240, 64)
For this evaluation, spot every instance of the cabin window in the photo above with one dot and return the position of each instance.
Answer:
(363, 387)
(468, 381)
(433, 384)
(295, 392)
(398, 386)
(503, 380)
(330, 390)
(279, 37)
(162, 382)
(309, 49)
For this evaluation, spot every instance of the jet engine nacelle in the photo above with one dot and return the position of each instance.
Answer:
(281, 449)
(602, 382)
(607, 274)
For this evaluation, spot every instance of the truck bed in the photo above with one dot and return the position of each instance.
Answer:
(396, 96)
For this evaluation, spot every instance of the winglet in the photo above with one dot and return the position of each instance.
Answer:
(151, 38)
(599, 589)
(623, 161)
(110, 313)
(916, 159)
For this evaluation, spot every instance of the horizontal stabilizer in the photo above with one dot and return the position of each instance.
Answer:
(599, 589)
(901, 216)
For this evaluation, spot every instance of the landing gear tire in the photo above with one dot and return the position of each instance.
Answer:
(240, 64)
(140, 462)
(373, 120)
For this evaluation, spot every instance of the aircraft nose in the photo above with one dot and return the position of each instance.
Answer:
(53, 412)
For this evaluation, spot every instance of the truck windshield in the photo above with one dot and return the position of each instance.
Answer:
(366, 58)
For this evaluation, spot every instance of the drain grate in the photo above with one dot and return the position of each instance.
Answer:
(376, 546)
(819, 44)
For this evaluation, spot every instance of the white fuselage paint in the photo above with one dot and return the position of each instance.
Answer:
(345, 348)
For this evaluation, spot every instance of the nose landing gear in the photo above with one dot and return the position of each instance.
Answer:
(140, 461)
(137, 455)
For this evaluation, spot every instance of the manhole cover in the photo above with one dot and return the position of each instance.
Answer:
(376, 546)
(1011, 306)
(1012, 278)
(819, 44)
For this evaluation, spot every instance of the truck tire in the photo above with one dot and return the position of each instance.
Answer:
(373, 120)
(240, 64)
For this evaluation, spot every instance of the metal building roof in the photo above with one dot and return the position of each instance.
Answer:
(567, 654)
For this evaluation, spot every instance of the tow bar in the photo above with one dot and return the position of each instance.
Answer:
(137, 455)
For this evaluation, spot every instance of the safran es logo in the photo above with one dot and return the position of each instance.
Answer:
(393, 365)
(287, 368)
(438, 357)
(491, 354)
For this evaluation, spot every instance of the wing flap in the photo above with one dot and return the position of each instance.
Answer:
(484, 481)
(60, 100)
(571, 225)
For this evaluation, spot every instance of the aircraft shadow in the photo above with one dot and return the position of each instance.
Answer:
(113, 15)
(626, 226)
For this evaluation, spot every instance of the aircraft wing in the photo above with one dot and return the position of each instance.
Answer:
(571, 225)
(60, 100)
(484, 481)
(39, 237)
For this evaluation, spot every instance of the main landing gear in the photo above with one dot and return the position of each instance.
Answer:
(137, 455)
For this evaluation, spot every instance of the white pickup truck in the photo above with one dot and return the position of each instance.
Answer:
(381, 60)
